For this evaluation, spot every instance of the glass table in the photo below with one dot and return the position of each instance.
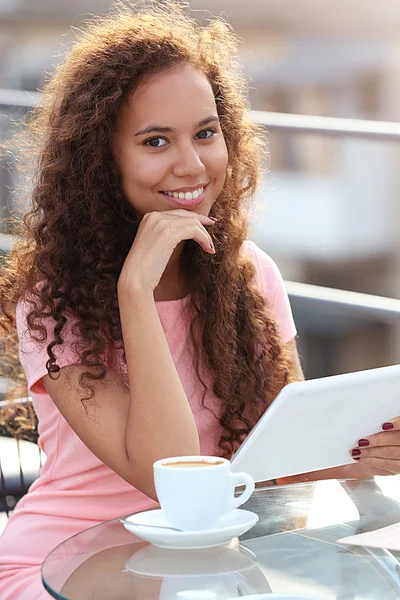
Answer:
(291, 551)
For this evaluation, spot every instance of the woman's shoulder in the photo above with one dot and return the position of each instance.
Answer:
(270, 283)
(267, 272)
(250, 249)
(36, 333)
(29, 300)
(25, 305)
(31, 304)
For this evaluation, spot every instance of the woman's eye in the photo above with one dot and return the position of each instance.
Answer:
(206, 134)
(155, 142)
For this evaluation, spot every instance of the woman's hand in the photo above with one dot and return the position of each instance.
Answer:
(378, 454)
(158, 235)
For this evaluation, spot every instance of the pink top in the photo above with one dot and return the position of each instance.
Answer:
(74, 485)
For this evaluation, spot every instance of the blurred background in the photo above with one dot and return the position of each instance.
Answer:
(328, 209)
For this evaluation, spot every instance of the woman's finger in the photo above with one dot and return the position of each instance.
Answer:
(182, 227)
(392, 424)
(204, 219)
(382, 452)
(197, 233)
(391, 466)
(360, 470)
(389, 436)
(176, 229)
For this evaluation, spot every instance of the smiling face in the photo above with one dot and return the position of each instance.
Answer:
(168, 144)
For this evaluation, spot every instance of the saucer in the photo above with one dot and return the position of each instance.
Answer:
(228, 526)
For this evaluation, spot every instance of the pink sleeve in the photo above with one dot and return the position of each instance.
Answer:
(33, 354)
(271, 285)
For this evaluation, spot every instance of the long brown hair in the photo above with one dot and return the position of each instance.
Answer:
(81, 227)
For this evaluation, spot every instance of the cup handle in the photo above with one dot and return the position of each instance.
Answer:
(241, 479)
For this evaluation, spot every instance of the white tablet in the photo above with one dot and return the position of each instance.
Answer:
(314, 424)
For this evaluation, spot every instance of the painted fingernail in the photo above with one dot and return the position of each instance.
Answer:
(362, 443)
(387, 426)
(355, 452)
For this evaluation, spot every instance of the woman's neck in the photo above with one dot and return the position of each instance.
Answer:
(169, 290)
(172, 285)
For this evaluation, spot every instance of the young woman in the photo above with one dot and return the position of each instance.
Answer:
(148, 326)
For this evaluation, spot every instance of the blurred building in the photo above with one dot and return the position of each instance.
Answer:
(328, 210)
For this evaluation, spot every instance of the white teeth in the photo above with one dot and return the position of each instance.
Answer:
(187, 195)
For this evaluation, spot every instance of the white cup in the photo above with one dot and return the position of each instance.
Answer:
(195, 491)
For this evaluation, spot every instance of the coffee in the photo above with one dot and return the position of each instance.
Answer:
(188, 464)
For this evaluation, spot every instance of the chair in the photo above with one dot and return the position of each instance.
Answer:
(20, 463)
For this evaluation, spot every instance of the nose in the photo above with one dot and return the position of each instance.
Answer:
(188, 162)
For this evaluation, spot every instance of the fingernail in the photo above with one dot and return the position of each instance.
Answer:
(387, 426)
(212, 247)
(355, 452)
(363, 443)
(213, 219)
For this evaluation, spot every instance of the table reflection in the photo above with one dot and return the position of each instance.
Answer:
(292, 549)
(222, 572)
(149, 573)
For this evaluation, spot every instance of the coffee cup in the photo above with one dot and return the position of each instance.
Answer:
(196, 491)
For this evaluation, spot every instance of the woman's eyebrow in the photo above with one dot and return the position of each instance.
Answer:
(163, 129)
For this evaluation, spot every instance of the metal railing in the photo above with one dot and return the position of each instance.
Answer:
(333, 126)
(283, 122)
(331, 302)
(304, 297)
(19, 98)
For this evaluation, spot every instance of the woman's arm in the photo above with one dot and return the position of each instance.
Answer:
(130, 428)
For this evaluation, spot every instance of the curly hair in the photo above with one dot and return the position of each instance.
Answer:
(76, 237)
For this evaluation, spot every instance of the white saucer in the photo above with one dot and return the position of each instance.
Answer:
(231, 525)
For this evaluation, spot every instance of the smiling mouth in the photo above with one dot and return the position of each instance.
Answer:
(186, 195)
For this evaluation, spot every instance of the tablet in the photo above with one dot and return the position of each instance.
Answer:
(314, 424)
